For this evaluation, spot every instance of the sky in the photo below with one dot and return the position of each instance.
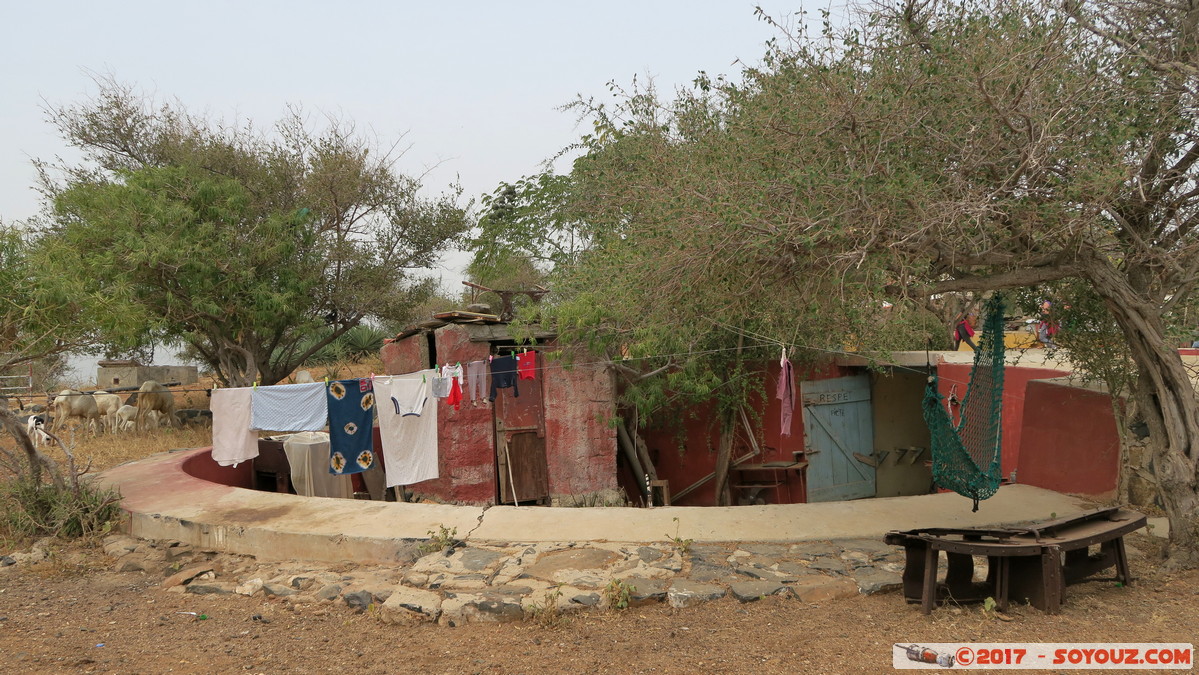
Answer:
(472, 89)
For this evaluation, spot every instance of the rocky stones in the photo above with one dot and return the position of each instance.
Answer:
(206, 587)
(250, 587)
(328, 592)
(117, 545)
(687, 593)
(408, 605)
(510, 582)
(358, 600)
(749, 591)
(278, 590)
(187, 574)
(644, 591)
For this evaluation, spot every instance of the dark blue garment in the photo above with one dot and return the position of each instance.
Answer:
(503, 375)
(351, 416)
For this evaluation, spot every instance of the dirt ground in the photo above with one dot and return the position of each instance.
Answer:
(72, 614)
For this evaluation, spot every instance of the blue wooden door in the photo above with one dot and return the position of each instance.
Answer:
(837, 424)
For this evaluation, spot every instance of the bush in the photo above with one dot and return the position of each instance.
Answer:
(29, 509)
(36, 499)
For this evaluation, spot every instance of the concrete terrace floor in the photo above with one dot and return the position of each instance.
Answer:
(163, 502)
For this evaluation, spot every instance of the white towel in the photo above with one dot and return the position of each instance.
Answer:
(233, 441)
(308, 456)
(290, 407)
(409, 437)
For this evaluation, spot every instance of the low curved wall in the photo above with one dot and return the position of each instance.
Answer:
(201, 465)
(166, 500)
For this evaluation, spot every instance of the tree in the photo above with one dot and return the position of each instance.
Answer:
(36, 321)
(937, 147)
(244, 245)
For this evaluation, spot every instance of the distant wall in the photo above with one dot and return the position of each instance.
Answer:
(135, 376)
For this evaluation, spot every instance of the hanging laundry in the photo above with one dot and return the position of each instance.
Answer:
(455, 397)
(308, 458)
(290, 407)
(476, 380)
(455, 371)
(439, 386)
(233, 441)
(351, 417)
(503, 376)
(526, 364)
(786, 393)
(409, 435)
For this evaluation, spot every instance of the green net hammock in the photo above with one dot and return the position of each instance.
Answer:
(966, 454)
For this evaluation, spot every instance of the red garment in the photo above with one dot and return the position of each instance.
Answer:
(785, 393)
(455, 397)
(965, 327)
(526, 363)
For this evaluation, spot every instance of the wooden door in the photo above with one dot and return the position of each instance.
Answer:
(522, 471)
(838, 428)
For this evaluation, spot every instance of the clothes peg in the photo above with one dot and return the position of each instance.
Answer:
(422, 378)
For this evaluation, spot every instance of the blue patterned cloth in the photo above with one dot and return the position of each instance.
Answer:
(351, 416)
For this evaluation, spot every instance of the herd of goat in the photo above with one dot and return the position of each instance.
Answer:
(152, 405)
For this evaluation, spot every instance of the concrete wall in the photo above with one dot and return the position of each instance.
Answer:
(896, 398)
(135, 376)
(1069, 441)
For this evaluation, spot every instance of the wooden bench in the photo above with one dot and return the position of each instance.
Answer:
(1033, 563)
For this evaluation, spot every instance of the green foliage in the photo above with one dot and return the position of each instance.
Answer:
(546, 613)
(37, 322)
(684, 545)
(526, 230)
(242, 244)
(33, 510)
(617, 593)
(440, 539)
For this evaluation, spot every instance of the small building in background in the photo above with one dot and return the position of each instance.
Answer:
(130, 373)
(554, 444)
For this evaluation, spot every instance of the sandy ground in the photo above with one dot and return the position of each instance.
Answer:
(71, 613)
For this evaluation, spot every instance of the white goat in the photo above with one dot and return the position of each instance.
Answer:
(70, 403)
(107, 406)
(125, 418)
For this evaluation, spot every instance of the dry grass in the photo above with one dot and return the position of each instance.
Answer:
(104, 451)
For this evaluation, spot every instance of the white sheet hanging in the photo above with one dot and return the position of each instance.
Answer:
(407, 427)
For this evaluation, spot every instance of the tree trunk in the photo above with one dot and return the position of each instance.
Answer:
(724, 456)
(630, 454)
(1166, 400)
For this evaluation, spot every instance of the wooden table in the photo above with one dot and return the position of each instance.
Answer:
(1033, 563)
(748, 478)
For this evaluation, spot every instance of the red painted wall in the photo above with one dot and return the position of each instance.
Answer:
(696, 458)
(1070, 442)
(580, 442)
(202, 466)
(580, 439)
(405, 356)
(1015, 382)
